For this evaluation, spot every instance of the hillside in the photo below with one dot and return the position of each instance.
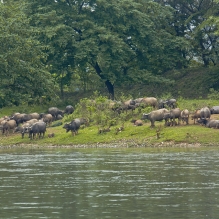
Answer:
(193, 83)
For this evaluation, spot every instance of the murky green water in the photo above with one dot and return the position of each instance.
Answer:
(111, 183)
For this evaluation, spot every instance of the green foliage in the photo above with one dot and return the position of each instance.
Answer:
(213, 94)
(122, 41)
(197, 21)
(52, 47)
(23, 76)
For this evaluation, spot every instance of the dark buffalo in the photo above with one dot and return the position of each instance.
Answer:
(23, 117)
(54, 111)
(172, 115)
(171, 103)
(209, 123)
(25, 126)
(38, 128)
(73, 126)
(214, 110)
(69, 109)
(18, 117)
(123, 106)
(161, 104)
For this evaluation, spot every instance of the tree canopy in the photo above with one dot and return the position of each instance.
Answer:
(23, 75)
(47, 43)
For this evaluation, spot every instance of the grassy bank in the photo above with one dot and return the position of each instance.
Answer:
(131, 136)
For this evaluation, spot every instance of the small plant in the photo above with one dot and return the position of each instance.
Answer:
(213, 94)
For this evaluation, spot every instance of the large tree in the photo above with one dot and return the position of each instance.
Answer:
(21, 71)
(122, 40)
(191, 20)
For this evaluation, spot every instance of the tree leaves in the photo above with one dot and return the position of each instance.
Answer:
(21, 55)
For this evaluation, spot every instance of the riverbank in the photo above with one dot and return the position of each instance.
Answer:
(119, 144)
(192, 135)
(91, 136)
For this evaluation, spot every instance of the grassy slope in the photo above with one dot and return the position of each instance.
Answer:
(136, 135)
(191, 83)
(142, 135)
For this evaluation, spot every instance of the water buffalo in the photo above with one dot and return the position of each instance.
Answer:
(171, 103)
(161, 104)
(185, 116)
(138, 100)
(25, 126)
(18, 117)
(129, 105)
(73, 126)
(34, 116)
(54, 111)
(123, 106)
(69, 109)
(214, 110)
(205, 113)
(38, 128)
(150, 101)
(156, 115)
(209, 123)
(59, 117)
(3, 118)
(172, 115)
(27, 117)
(8, 125)
(196, 115)
(47, 118)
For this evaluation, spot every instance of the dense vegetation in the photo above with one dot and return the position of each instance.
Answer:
(53, 48)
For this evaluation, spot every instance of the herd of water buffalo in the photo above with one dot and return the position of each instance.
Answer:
(167, 110)
(36, 123)
(33, 123)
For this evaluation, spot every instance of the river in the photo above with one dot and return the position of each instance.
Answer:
(150, 183)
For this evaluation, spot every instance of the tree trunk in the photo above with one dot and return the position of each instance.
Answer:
(108, 84)
(110, 88)
(61, 90)
(61, 87)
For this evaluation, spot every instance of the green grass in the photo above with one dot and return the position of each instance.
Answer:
(135, 135)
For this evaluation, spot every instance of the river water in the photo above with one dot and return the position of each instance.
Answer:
(110, 183)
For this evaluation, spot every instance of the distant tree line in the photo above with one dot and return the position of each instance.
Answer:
(48, 47)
